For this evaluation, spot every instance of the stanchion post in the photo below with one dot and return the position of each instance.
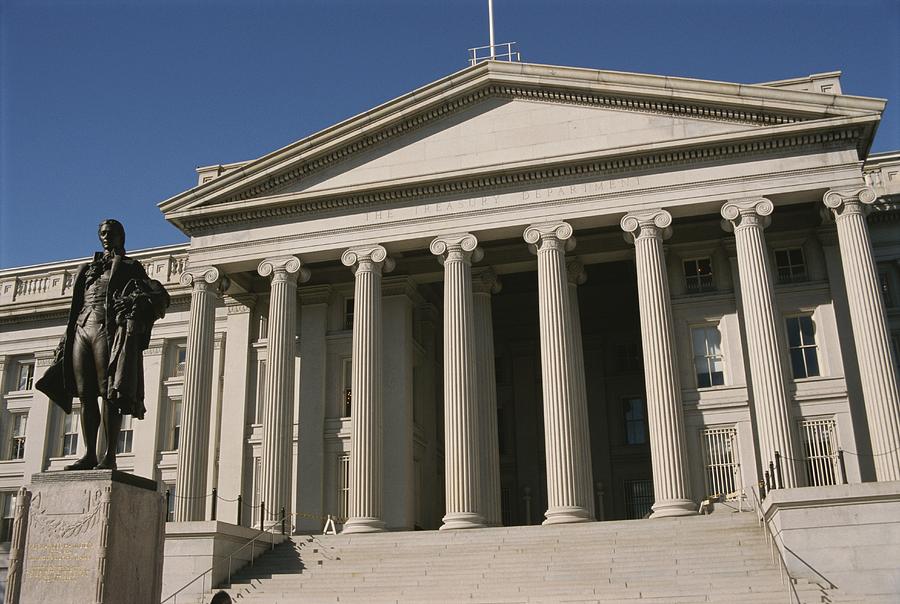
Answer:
(215, 500)
(842, 466)
(772, 474)
(168, 502)
(282, 520)
(262, 515)
(778, 470)
(240, 503)
(768, 481)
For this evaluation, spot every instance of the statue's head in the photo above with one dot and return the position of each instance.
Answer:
(112, 235)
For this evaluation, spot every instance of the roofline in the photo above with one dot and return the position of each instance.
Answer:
(798, 80)
(57, 264)
(617, 82)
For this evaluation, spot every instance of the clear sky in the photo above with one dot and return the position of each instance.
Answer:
(107, 106)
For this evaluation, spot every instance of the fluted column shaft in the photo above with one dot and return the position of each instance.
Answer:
(576, 275)
(366, 439)
(278, 401)
(870, 331)
(748, 218)
(565, 432)
(668, 449)
(462, 446)
(190, 481)
(484, 284)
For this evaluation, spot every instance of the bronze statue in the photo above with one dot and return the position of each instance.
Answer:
(114, 306)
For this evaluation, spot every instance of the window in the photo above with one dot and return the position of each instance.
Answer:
(343, 483)
(698, 276)
(18, 423)
(263, 330)
(70, 434)
(638, 498)
(25, 375)
(820, 451)
(175, 430)
(260, 391)
(635, 421)
(708, 363)
(346, 383)
(180, 359)
(884, 284)
(720, 459)
(126, 435)
(790, 265)
(7, 509)
(348, 313)
(802, 347)
(257, 486)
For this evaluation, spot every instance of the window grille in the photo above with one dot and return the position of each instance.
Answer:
(346, 383)
(821, 451)
(343, 484)
(790, 265)
(802, 347)
(19, 423)
(260, 391)
(638, 498)
(721, 460)
(708, 359)
(257, 485)
(698, 275)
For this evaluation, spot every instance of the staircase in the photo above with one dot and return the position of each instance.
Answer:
(718, 558)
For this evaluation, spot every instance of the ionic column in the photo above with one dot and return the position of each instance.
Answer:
(278, 401)
(870, 331)
(748, 218)
(576, 276)
(191, 480)
(366, 448)
(462, 474)
(668, 449)
(484, 283)
(565, 430)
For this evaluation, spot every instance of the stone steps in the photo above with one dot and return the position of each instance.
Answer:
(719, 558)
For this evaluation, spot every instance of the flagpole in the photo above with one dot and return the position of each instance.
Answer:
(491, 24)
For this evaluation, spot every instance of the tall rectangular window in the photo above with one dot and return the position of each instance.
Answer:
(18, 423)
(343, 484)
(70, 434)
(820, 450)
(802, 346)
(24, 375)
(260, 390)
(348, 313)
(635, 421)
(708, 361)
(7, 509)
(346, 383)
(126, 435)
(180, 359)
(174, 424)
(698, 275)
(790, 265)
(720, 459)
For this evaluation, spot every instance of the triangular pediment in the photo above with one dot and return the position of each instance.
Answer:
(495, 118)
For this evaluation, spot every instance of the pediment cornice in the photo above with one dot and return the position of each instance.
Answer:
(758, 107)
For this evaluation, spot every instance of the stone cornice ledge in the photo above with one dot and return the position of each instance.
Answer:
(829, 496)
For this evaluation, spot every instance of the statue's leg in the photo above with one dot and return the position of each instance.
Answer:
(112, 423)
(86, 380)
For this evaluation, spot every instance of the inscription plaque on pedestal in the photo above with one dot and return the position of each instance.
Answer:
(92, 536)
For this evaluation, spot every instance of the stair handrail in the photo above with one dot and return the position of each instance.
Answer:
(793, 597)
(269, 531)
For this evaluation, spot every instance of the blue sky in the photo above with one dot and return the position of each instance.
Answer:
(106, 107)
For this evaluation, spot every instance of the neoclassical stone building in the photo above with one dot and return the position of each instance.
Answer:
(390, 320)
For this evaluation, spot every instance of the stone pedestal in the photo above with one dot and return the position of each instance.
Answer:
(93, 536)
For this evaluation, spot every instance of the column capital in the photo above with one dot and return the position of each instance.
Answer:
(456, 246)
(204, 277)
(284, 268)
(746, 212)
(372, 258)
(648, 223)
(550, 235)
(485, 281)
(849, 200)
(575, 271)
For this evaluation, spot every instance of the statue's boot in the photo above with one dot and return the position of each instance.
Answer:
(107, 463)
(85, 463)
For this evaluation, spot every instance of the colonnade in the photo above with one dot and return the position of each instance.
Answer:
(471, 459)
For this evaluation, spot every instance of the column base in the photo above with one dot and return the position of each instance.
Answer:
(673, 507)
(566, 515)
(363, 525)
(463, 520)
